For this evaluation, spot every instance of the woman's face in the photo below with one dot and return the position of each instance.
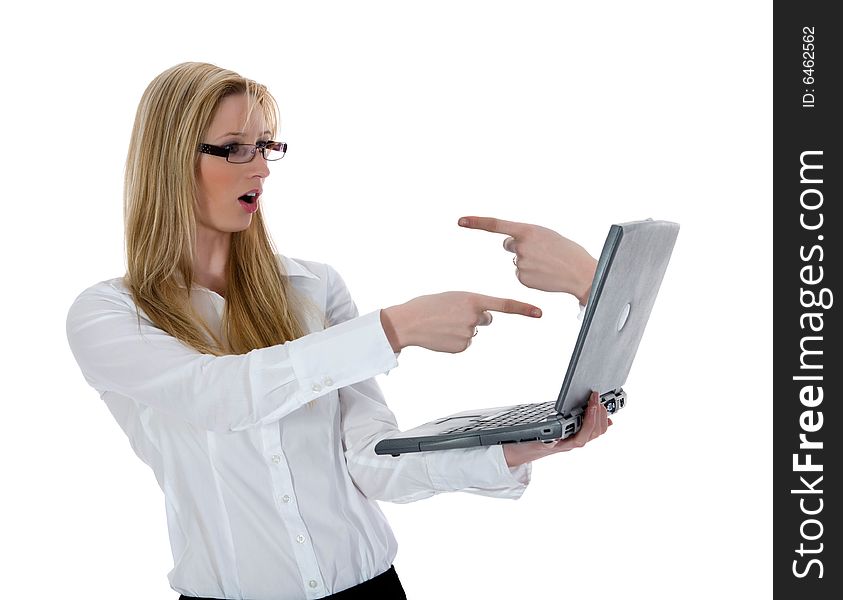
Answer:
(221, 183)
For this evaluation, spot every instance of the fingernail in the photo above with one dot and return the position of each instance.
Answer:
(463, 222)
(536, 312)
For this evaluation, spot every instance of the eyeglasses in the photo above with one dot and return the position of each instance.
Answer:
(243, 153)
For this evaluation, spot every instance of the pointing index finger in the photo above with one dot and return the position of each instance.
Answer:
(492, 224)
(507, 305)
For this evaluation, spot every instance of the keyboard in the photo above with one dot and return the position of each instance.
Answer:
(523, 413)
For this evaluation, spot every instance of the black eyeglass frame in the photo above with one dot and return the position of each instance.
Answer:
(225, 151)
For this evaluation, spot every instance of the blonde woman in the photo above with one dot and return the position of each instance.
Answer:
(245, 379)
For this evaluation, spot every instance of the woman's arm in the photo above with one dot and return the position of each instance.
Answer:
(366, 420)
(120, 353)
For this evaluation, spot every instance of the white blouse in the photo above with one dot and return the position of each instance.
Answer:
(266, 459)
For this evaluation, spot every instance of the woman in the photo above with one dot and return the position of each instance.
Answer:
(244, 378)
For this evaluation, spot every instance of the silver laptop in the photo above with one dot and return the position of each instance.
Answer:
(627, 280)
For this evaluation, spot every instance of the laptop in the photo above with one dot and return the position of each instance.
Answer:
(628, 276)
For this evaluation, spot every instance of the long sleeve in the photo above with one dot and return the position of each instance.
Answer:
(119, 353)
(366, 420)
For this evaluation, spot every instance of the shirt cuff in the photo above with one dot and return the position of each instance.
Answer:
(477, 470)
(347, 353)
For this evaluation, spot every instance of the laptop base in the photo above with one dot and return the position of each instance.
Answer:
(553, 428)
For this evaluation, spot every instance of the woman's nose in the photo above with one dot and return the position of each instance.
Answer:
(259, 166)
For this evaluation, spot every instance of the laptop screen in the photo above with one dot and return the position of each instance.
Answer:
(627, 280)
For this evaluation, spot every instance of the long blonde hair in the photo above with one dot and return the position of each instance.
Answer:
(159, 209)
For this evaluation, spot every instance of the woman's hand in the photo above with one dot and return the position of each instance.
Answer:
(595, 423)
(445, 322)
(544, 260)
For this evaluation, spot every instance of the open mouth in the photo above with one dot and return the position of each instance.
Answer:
(249, 201)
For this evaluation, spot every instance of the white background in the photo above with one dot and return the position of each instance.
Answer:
(401, 117)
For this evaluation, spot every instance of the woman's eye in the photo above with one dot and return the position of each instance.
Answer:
(237, 149)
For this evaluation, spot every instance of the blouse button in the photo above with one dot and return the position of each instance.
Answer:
(316, 387)
(328, 381)
(276, 458)
(300, 539)
(312, 583)
(285, 499)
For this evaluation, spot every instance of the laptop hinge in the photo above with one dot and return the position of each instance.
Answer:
(613, 401)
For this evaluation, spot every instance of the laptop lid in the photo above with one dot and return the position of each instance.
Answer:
(627, 280)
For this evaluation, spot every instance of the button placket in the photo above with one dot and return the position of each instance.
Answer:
(284, 492)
